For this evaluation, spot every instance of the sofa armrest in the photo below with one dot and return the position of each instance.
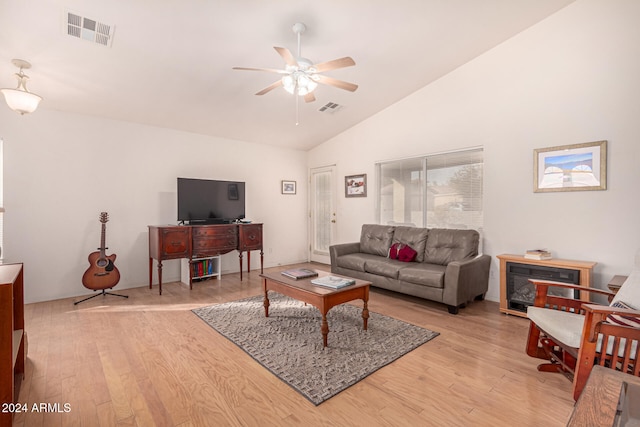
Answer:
(466, 280)
(338, 250)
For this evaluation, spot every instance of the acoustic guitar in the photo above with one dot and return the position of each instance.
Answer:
(102, 272)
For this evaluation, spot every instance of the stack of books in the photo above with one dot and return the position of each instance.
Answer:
(299, 273)
(537, 254)
(333, 282)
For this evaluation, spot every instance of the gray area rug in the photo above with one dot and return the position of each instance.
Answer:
(289, 342)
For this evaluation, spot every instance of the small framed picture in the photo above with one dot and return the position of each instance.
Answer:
(288, 187)
(355, 185)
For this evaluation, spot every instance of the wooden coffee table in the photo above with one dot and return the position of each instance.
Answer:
(321, 297)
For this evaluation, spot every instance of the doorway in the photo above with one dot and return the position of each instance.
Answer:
(322, 214)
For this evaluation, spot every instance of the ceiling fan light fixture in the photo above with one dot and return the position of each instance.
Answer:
(299, 83)
(20, 99)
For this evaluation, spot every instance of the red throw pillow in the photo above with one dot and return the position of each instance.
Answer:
(393, 250)
(402, 252)
(407, 254)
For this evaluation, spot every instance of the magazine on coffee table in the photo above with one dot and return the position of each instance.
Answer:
(333, 282)
(299, 273)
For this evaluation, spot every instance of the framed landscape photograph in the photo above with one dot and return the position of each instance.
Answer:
(355, 185)
(577, 167)
(288, 187)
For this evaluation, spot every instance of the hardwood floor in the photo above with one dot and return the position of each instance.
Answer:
(148, 360)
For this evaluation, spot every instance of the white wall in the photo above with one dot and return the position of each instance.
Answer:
(61, 170)
(570, 79)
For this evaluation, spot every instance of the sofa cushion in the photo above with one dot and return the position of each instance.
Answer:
(446, 245)
(564, 326)
(431, 275)
(354, 261)
(629, 292)
(412, 236)
(383, 267)
(620, 319)
(376, 239)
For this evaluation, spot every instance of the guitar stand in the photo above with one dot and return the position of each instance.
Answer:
(102, 293)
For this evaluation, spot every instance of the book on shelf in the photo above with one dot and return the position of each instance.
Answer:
(333, 282)
(537, 254)
(299, 273)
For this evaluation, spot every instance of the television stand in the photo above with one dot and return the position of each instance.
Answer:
(190, 241)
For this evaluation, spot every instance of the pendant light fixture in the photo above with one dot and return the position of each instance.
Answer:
(20, 99)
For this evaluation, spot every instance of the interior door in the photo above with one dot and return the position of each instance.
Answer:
(322, 214)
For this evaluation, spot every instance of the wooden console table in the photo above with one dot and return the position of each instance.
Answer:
(584, 269)
(189, 241)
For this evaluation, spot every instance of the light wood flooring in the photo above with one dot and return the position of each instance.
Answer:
(147, 361)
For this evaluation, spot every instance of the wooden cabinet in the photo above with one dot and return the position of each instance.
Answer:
(214, 240)
(250, 237)
(583, 271)
(201, 241)
(12, 338)
(250, 240)
(169, 242)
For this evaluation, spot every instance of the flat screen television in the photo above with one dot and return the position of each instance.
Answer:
(204, 201)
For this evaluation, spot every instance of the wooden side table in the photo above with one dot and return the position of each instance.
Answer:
(616, 282)
(598, 402)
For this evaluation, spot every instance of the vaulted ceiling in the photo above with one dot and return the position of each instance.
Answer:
(169, 62)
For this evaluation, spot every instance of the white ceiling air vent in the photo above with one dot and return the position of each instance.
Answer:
(330, 107)
(89, 29)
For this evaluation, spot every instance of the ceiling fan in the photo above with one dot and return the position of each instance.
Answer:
(300, 75)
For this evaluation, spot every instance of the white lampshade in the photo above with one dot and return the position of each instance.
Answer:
(289, 83)
(21, 101)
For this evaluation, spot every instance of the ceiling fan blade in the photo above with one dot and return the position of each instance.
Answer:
(335, 64)
(310, 97)
(270, 88)
(337, 83)
(270, 70)
(289, 59)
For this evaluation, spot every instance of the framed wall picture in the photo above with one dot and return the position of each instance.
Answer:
(355, 185)
(288, 187)
(576, 167)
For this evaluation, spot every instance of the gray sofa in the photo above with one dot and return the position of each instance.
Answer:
(447, 267)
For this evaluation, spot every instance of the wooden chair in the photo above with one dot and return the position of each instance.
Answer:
(574, 336)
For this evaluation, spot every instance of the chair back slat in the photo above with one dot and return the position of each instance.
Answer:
(564, 304)
(619, 347)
